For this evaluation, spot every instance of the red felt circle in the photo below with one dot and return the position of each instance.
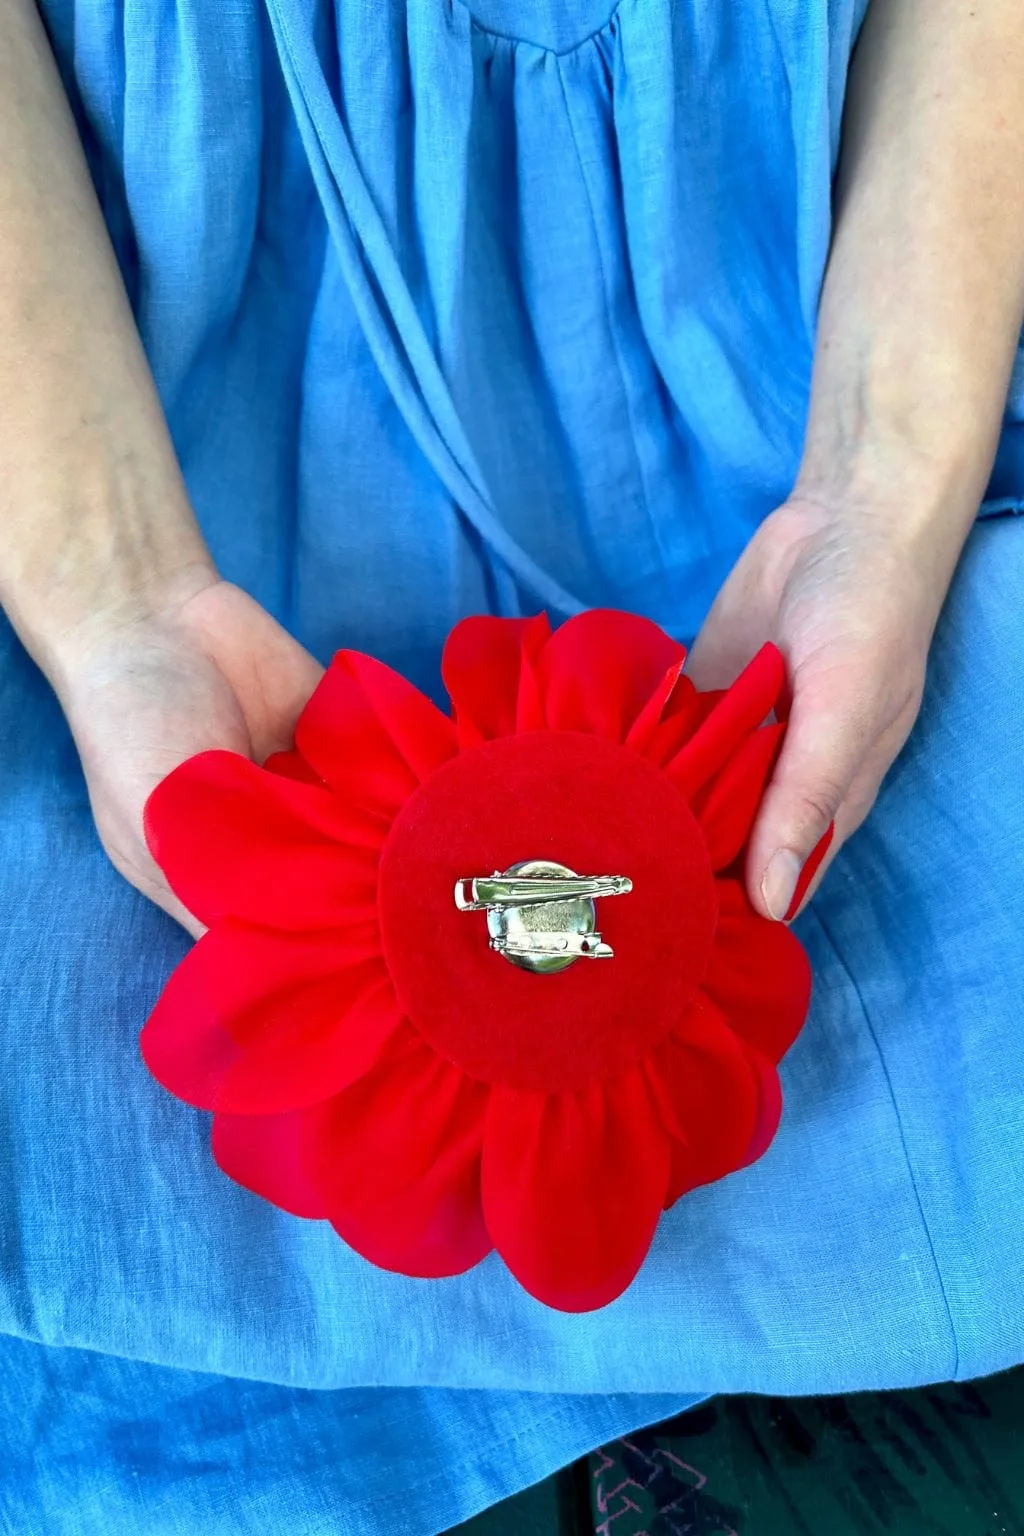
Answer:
(598, 808)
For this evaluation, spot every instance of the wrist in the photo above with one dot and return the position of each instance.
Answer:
(910, 520)
(883, 446)
(106, 561)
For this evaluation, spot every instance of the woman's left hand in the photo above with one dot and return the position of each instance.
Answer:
(916, 330)
(851, 599)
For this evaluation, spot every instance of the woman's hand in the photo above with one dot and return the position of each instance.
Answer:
(920, 312)
(103, 571)
(851, 601)
(211, 669)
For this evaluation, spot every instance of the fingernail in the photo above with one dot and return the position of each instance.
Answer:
(779, 882)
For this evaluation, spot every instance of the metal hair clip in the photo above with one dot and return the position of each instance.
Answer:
(541, 915)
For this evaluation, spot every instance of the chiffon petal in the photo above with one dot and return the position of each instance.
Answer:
(396, 1161)
(529, 704)
(572, 1187)
(308, 1043)
(371, 735)
(482, 668)
(292, 765)
(708, 1096)
(236, 841)
(186, 1048)
(769, 1108)
(256, 1023)
(664, 715)
(758, 974)
(727, 807)
(600, 668)
(264, 1154)
(739, 710)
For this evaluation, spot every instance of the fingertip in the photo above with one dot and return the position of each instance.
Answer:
(788, 880)
(779, 883)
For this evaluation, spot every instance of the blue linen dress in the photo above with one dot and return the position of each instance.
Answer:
(460, 308)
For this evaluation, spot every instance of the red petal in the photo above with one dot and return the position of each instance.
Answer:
(371, 734)
(481, 667)
(573, 1185)
(809, 871)
(740, 710)
(311, 1042)
(237, 841)
(727, 807)
(708, 1096)
(260, 1023)
(758, 974)
(292, 765)
(182, 1044)
(263, 1153)
(529, 706)
(670, 697)
(769, 1111)
(600, 668)
(396, 1159)
(687, 709)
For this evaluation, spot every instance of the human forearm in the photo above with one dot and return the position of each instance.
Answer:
(924, 294)
(920, 312)
(94, 518)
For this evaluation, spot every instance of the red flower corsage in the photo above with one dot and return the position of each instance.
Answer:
(487, 981)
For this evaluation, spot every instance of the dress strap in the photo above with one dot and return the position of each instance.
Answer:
(387, 313)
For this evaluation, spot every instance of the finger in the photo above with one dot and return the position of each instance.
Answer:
(830, 737)
(857, 805)
(173, 907)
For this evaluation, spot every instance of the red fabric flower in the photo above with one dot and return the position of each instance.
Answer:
(369, 1059)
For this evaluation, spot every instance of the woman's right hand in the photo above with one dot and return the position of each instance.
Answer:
(204, 670)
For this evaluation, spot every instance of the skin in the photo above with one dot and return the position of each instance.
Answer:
(107, 581)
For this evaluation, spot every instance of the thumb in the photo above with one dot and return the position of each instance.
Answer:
(822, 756)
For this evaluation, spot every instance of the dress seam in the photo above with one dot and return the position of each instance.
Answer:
(528, 42)
(925, 1226)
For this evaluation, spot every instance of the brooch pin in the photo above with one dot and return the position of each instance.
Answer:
(541, 915)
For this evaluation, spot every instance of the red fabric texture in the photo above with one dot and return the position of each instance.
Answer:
(586, 803)
(369, 1060)
(809, 871)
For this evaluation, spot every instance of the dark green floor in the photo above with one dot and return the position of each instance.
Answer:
(947, 1461)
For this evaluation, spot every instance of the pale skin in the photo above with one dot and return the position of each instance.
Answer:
(105, 576)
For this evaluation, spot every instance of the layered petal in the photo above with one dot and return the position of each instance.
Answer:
(483, 671)
(727, 807)
(572, 1188)
(292, 765)
(769, 1107)
(396, 1161)
(237, 841)
(259, 1022)
(264, 1154)
(665, 716)
(708, 1096)
(598, 671)
(758, 974)
(738, 711)
(371, 735)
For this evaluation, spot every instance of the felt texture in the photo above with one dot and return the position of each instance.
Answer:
(597, 808)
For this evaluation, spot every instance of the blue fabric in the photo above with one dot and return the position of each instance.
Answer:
(453, 312)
